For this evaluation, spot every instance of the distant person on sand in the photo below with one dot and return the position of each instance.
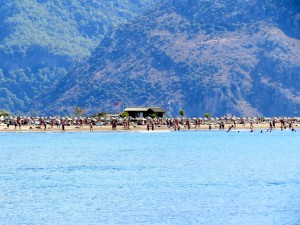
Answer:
(19, 122)
(187, 123)
(271, 126)
(176, 125)
(114, 126)
(91, 126)
(63, 125)
(57, 124)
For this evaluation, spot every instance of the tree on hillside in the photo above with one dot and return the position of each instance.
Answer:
(153, 115)
(78, 111)
(4, 113)
(207, 115)
(124, 114)
(182, 112)
(102, 114)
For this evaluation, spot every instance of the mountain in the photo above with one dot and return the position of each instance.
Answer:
(41, 40)
(235, 56)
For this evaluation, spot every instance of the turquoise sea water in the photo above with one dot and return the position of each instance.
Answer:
(150, 178)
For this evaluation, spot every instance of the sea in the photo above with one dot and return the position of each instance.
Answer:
(182, 177)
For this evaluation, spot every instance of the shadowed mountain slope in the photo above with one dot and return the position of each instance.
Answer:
(237, 57)
(41, 40)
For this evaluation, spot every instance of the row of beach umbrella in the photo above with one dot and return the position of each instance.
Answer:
(108, 119)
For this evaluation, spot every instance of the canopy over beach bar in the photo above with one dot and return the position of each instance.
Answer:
(138, 112)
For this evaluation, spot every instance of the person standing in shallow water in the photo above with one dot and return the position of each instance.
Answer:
(229, 129)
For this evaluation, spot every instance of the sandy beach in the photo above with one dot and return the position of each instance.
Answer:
(106, 128)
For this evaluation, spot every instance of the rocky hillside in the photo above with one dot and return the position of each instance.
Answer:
(40, 40)
(237, 57)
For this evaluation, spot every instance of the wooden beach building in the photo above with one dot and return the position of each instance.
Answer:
(139, 112)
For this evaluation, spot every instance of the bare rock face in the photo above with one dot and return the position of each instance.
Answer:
(236, 57)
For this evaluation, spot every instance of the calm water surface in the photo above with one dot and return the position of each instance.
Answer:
(150, 178)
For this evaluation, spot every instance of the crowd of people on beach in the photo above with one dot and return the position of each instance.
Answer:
(176, 124)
